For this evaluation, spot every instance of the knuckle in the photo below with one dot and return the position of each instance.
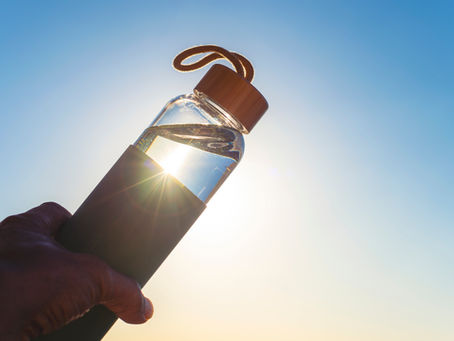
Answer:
(97, 270)
(91, 262)
(53, 206)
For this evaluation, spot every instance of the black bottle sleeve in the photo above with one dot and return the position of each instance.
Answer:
(132, 220)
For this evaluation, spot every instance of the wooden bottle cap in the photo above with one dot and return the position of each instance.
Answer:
(231, 90)
(234, 94)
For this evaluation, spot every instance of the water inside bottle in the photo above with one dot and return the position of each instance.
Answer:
(200, 156)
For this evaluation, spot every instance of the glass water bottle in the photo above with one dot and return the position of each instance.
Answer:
(160, 185)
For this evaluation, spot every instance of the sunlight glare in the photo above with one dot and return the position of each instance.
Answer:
(173, 161)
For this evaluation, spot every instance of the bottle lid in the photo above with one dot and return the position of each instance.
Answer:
(231, 90)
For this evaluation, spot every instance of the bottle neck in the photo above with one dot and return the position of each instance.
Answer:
(225, 118)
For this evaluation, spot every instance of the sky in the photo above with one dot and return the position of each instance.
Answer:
(338, 224)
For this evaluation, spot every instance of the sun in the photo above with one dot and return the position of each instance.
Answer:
(173, 161)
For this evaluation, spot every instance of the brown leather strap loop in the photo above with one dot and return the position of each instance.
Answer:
(242, 66)
(247, 66)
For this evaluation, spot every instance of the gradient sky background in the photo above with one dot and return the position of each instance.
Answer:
(339, 222)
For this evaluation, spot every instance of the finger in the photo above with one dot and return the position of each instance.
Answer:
(46, 218)
(126, 300)
(119, 293)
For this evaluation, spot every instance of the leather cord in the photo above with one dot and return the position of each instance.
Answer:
(242, 66)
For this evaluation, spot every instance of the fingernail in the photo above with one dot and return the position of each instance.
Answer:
(147, 308)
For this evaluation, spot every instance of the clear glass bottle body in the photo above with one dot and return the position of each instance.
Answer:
(195, 141)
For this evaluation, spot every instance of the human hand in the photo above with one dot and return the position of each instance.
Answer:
(43, 286)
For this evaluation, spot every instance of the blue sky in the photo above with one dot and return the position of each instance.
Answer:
(349, 176)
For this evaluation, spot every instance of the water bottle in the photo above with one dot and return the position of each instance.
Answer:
(161, 184)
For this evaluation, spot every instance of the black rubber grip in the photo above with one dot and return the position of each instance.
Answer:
(132, 220)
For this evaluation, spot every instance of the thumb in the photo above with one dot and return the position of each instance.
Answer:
(120, 294)
(126, 300)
